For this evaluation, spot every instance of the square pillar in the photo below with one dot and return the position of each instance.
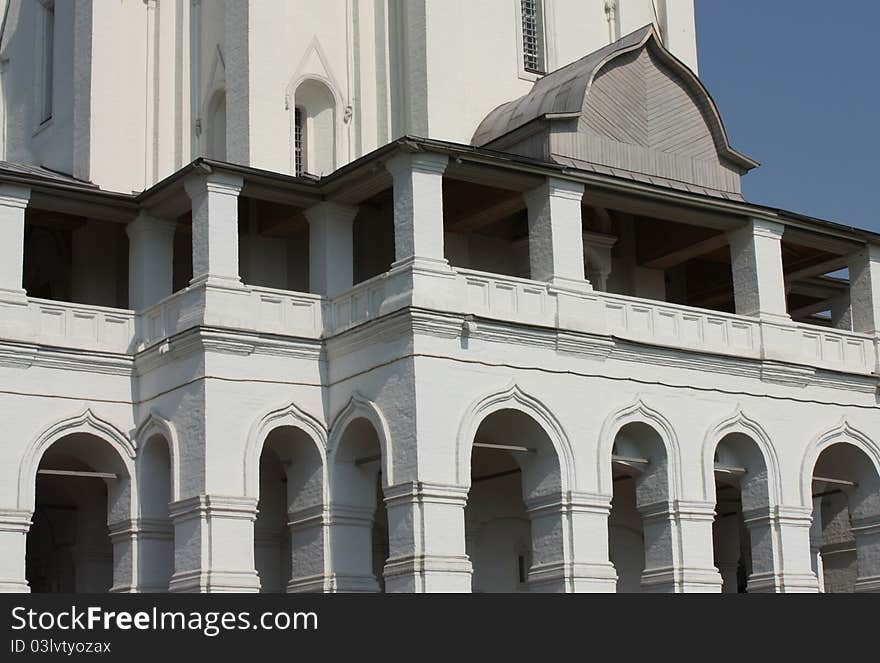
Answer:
(331, 249)
(756, 260)
(796, 573)
(591, 567)
(597, 255)
(866, 532)
(150, 260)
(308, 549)
(418, 209)
(695, 566)
(214, 544)
(426, 537)
(816, 544)
(780, 546)
(556, 243)
(864, 289)
(13, 201)
(351, 531)
(215, 228)
(14, 526)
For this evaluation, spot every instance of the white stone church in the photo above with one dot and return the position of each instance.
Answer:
(414, 296)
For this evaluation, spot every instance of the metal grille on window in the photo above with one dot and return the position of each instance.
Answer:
(297, 141)
(533, 48)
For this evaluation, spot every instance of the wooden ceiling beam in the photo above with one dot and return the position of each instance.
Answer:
(683, 254)
(488, 215)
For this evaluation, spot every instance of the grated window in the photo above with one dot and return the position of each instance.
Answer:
(298, 141)
(532, 36)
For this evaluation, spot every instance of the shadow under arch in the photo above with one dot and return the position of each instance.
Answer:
(78, 479)
(841, 473)
(741, 477)
(360, 468)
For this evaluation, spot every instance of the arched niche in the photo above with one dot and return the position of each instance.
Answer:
(313, 128)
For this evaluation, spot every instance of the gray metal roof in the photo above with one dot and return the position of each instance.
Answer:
(564, 91)
(43, 173)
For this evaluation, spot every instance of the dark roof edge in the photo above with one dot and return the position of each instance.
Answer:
(484, 155)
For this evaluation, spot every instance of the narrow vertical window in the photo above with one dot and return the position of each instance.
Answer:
(298, 135)
(48, 61)
(532, 36)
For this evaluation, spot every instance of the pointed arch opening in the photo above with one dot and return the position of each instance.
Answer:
(360, 518)
(513, 524)
(82, 491)
(845, 536)
(742, 533)
(289, 546)
(640, 528)
(156, 532)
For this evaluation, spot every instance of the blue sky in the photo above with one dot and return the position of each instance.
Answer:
(798, 86)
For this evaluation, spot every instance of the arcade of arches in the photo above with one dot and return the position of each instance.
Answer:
(321, 523)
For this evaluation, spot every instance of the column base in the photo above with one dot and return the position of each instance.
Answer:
(215, 582)
(13, 586)
(16, 296)
(867, 585)
(354, 584)
(681, 581)
(317, 584)
(596, 578)
(428, 574)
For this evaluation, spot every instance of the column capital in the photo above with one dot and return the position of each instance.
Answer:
(761, 228)
(145, 223)
(557, 188)
(215, 182)
(12, 195)
(226, 506)
(15, 520)
(328, 210)
(421, 491)
(419, 162)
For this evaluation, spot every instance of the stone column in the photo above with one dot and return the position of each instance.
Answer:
(308, 549)
(864, 289)
(215, 228)
(214, 544)
(418, 209)
(597, 256)
(794, 557)
(331, 251)
(13, 201)
(124, 539)
(154, 544)
(150, 260)
(867, 535)
(591, 567)
(661, 574)
(727, 552)
(352, 533)
(426, 536)
(780, 547)
(695, 566)
(816, 543)
(556, 244)
(14, 526)
(756, 260)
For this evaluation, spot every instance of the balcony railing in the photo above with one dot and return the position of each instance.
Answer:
(492, 296)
